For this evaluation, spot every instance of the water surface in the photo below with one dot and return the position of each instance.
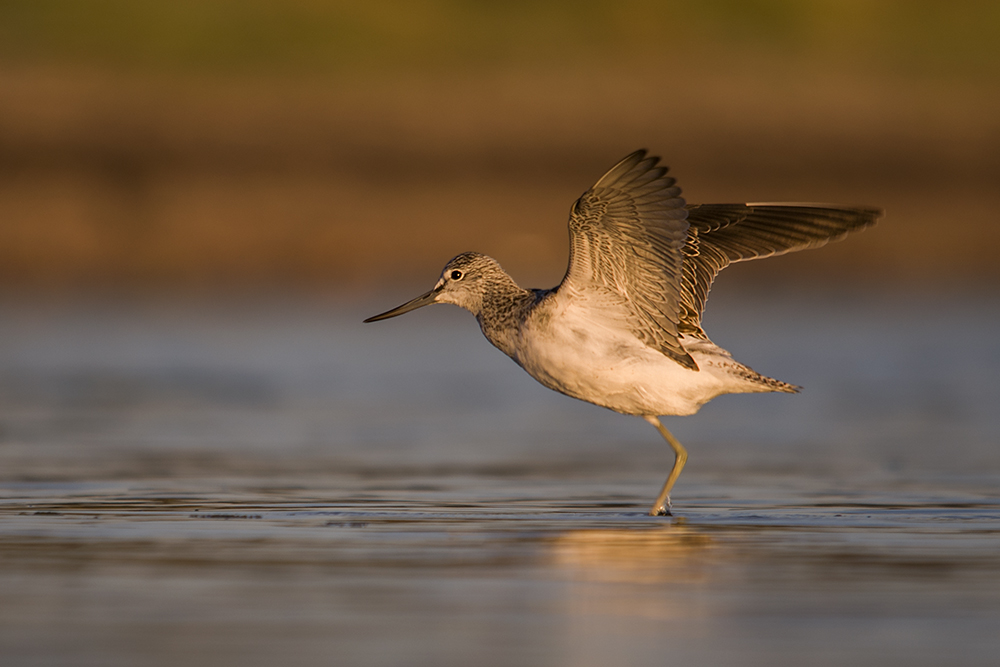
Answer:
(266, 481)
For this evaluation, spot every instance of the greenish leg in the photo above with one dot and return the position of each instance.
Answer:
(662, 505)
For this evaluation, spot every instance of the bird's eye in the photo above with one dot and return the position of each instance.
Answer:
(456, 275)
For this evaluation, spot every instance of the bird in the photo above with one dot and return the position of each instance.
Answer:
(622, 330)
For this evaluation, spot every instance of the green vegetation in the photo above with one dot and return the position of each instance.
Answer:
(923, 36)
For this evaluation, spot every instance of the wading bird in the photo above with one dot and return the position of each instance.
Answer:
(623, 328)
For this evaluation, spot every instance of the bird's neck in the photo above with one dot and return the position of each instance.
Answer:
(505, 306)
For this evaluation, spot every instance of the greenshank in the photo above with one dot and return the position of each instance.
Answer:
(623, 328)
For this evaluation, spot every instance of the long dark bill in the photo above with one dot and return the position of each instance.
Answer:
(422, 300)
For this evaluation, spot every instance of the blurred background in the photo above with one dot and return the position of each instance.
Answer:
(335, 146)
(199, 202)
(206, 457)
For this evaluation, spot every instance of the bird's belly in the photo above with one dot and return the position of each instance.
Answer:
(617, 372)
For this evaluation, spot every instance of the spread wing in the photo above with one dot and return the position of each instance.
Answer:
(721, 234)
(627, 235)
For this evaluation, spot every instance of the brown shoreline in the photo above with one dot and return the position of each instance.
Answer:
(109, 180)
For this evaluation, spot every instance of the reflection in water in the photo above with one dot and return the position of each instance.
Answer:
(665, 554)
(615, 577)
(248, 573)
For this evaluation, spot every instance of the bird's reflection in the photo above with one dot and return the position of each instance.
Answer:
(662, 554)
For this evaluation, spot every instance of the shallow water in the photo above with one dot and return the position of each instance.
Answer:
(266, 481)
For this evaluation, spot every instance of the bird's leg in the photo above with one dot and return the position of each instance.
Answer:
(662, 505)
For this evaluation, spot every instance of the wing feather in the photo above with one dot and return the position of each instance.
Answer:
(626, 239)
(721, 234)
(634, 240)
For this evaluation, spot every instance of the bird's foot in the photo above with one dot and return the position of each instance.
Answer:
(662, 510)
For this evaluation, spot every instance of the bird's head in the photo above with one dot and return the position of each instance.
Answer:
(463, 282)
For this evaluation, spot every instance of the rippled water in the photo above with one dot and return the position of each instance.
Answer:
(267, 481)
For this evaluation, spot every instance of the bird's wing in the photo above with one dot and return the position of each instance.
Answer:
(627, 234)
(721, 234)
